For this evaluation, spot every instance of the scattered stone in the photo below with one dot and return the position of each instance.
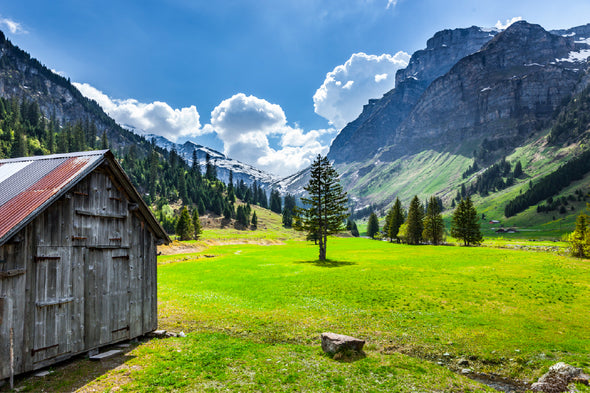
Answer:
(43, 373)
(466, 371)
(181, 334)
(106, 355)
(440, 363)
(558, 377)
(171, 334)
(463, 362)
(447, 355)
(333, 343)
(157, 333)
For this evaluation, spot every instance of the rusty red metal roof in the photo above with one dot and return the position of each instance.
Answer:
(29, 184)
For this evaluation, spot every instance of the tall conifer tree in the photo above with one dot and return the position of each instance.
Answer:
(325, 209)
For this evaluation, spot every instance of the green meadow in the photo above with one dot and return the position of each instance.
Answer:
(253, 315)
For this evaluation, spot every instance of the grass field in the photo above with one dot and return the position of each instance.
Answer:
(253, 315)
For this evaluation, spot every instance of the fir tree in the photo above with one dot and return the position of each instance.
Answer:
(184, 227)
(372, 225)
(354, 231)
(396, 220)
(254, 222)
(434, 226)
(325, 209)
(196, 224)
(414, 221)
(465, 223)
(580, 237)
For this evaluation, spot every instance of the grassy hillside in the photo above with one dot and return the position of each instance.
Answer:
(253, 315)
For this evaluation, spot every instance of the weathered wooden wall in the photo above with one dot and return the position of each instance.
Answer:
(80, 276)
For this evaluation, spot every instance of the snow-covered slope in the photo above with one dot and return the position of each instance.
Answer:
(224, 165)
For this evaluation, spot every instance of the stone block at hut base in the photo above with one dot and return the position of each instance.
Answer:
(334, 343)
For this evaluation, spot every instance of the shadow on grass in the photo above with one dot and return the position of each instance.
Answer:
(74, 373)
(328, 263)
(348, 356)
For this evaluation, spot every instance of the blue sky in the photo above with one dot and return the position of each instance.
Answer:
(269, 82)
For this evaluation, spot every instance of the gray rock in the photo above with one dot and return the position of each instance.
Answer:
(558, 377)
(333, 343)
(466, 371)
(463, 362)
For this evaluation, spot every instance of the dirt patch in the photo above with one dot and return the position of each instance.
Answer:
(177, 247)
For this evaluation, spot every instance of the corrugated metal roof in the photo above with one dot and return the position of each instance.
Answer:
(28, 184)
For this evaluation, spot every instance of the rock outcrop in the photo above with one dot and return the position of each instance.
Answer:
(557, 379)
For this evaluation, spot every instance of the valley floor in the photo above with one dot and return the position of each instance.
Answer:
(253, 313)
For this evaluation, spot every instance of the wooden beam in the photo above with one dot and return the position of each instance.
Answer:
(103, 215)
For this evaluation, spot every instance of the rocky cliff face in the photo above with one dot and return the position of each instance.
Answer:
(364, 137)
(504, 92)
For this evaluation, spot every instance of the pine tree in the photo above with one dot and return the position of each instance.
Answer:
(414, 221)
(275, 201)
(288, 210)
(325, 209)
(580, 237)
(254, 222)
(434, 227)
(196, 224)
(104, 144)
(518, 170)
(184, 227)
(354, 231)
(372, 225)
(210, 171)
(396, 220)
(465, 223)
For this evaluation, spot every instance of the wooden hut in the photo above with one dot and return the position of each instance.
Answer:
(77, 258)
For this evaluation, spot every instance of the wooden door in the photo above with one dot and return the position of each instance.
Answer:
(106, 303)
(53, 304)
(119, 294)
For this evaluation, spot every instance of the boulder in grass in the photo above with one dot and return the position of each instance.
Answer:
(334, 343)
(558, 377)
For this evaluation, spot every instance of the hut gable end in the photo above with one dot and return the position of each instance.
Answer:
(77, 263)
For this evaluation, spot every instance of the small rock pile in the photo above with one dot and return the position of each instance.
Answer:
(558, 377)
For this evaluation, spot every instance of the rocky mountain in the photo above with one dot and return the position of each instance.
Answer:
(381, 116)
(472, 95)
(222, 163)
(26, 78)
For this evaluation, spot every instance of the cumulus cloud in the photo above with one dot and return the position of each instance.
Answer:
(244, 125)
(348, 87)
(502, 26)
(154, 118)
(391, 3)
(12, 26)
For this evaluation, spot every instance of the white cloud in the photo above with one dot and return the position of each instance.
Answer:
(12, 26)
(153, 118)
(348, 87)
(391, 3)
(244, 124)
(502, 26)
(380, 77)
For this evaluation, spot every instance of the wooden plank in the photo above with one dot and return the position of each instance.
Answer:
(102, 215)
(12, 273)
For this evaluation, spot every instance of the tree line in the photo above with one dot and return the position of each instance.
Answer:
(423, 223)
(551, 184)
